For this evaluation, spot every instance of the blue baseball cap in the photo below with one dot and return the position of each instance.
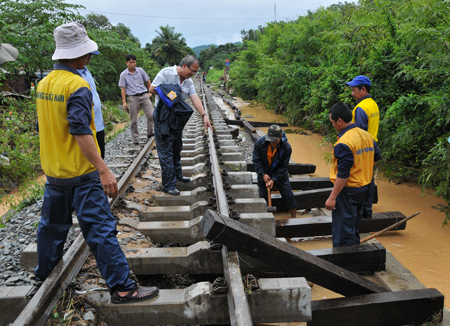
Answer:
(95, 52)
(359, 80)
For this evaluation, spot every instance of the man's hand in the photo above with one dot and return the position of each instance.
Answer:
(269, 184)
(266, 179)
(330, 204)
(109, 184)
(125, 106)
(149, 94)
(206, 122)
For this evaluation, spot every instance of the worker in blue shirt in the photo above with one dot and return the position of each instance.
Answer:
(353, 159)
(98, 117)
(366, 116)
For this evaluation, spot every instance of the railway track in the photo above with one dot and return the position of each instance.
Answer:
(220, 182)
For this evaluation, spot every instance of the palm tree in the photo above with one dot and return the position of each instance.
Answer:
(169, 45)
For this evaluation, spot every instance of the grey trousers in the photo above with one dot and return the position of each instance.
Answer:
(135, 103)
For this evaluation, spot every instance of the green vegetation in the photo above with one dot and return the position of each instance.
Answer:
(213, 77)
(300, 68)
(29, 25)
(19, 141)
(215, 56)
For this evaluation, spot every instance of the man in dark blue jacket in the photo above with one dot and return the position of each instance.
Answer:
(271, 156)
(170, 116)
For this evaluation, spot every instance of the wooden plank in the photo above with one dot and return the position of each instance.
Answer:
(412, 307)
(306, 199)
(321, 225)
(310, 183)
(307, 183)
(248, 127)
(254, 123)
(287, 258)
(293, 168)
(367, 258)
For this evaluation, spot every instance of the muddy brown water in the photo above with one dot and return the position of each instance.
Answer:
(423, 248)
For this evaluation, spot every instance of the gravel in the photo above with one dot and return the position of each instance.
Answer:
(21, 229)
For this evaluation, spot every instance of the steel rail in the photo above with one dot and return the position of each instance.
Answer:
(237, 299)
(38, 309)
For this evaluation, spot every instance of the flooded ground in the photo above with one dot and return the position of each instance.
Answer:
(423, 248)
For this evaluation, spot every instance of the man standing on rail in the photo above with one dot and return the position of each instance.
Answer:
(354, 155)
(98, 117)
(169, 148)
(271, 156)
(367, 117)
(77, 177)
(132, 82)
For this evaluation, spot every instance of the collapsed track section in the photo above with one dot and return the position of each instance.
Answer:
(222, 187)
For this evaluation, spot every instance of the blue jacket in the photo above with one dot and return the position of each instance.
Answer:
(280, 163)
(172, 113)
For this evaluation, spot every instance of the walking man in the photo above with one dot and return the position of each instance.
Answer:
(98, 117)
(271, 156)
(354, 155)
(132, 82)
(169, 147)
(77, 177)
(367, 117)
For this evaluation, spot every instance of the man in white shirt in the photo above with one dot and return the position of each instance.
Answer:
(180, 75)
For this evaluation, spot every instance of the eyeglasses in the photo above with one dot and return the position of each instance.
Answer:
(194, 71)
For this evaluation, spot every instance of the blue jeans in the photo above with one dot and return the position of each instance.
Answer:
(346, 218)
(97, 225)
(368, 201)
(169, 154)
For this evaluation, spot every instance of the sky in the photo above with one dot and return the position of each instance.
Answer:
(201, 22)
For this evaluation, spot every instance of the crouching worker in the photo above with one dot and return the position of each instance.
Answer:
(354, 155)
(271, 156)
(77, 177)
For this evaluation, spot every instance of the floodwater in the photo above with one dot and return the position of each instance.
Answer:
(423, 248)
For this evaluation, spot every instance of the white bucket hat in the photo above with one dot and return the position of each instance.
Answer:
(7, 53)
(72, 41)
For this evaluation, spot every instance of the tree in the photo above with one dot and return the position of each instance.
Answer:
(96, 21)
(169, 45)
(114, 43)
(28, 25)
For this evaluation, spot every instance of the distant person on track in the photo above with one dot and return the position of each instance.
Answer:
(169, 147)
(204, 76)
(98, 116)
(132, 82)
(367, 117)
(271, 155)
(354, 155)
(77, 177)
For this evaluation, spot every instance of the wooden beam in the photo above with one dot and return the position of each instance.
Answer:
(254, 123)
(293, 168)
(367, 258)
(287, 258)
(310, 183)
(306, 199)
(307, 183)
(412, 307)
(321, 225)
